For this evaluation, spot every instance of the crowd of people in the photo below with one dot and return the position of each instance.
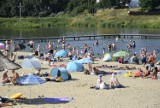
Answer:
(86, 52)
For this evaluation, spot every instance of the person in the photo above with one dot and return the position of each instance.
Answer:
(100, 84)
(31, 44)
(38, 72)
(154, 73)
(114, 83)
(14, 77)
(147, 72)
(37, 53)
(5, 77)
(140, 73)
(5, 102)
(57, 78)
(135, 59)
(85, 48)
(151, 59)
(7, 49)
(13, 57)
(96, 43)
(90, 67)
(50, 48)
(97, 71)
(143, 59)
(70, 54)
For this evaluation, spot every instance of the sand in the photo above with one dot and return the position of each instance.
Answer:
(139, 92)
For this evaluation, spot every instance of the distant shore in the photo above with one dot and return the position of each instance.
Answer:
(102, 19)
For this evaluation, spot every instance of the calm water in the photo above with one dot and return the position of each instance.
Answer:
(51, 32)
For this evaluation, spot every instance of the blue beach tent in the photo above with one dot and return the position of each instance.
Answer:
(75, 67)
(60, 71)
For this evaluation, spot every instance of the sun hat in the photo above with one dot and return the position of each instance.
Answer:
(100, 75)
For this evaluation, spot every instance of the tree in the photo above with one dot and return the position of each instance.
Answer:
(149, 5)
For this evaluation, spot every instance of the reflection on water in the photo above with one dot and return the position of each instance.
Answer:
(50, 32)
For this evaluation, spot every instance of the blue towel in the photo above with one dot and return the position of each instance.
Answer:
(57, 100)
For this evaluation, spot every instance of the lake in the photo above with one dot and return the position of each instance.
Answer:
(151, 44)
(51, 32)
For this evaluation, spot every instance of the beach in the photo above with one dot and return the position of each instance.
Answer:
(138, 92)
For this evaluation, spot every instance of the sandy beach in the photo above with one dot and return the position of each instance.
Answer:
(138, 92)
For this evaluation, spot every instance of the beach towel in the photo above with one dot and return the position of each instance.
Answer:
(58, 100)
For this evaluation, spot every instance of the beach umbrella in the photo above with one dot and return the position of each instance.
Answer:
(84, 61)
(61, 53)
(30, 80)
(121, 54)
(6, 63)
(74, 66)
(2, 46)
(32, 63)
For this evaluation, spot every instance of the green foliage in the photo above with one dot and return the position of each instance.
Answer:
(149, 5)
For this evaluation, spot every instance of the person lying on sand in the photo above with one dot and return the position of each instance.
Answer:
(140, 73)
(6, 102)
(114, 83)
(97, 71)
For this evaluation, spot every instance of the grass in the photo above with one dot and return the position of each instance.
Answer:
(102, 19)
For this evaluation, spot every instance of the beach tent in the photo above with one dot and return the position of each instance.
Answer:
(31, 63)
(62, 71)
(75, 67)
(84, 61)
(107, 57)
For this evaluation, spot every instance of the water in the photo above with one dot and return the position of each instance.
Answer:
(51, 32)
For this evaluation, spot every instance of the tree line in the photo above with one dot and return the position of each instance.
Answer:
(43, 8)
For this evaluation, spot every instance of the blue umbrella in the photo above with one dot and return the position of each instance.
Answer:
(30, 80)
(61, 53)
(84, 60)
(74, 66)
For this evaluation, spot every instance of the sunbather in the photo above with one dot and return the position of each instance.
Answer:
(114, 83)
(154, 73)
(14, 77)
(100, 83)
(147, 72)
(5, 77)
(140, 73)
(97, 71)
